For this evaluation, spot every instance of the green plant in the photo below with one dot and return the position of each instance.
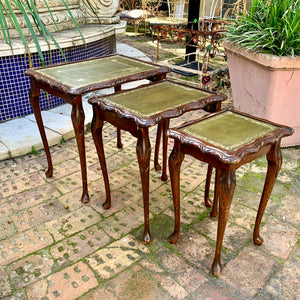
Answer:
(33, 21)
(270, 26)
(34, 151)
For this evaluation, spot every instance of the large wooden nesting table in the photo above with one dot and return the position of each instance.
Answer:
(70, 81)
(136, 111)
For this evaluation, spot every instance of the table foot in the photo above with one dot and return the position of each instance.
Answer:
(216, 268)
(173, 238)
(85, 198)
(164, 177)
(147, 237)
(208, 203)
(258, 240)
(106, 204)
(49, 173)
(157, 167)
(213, 215)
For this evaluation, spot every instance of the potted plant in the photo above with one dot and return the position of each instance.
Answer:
(263, 50)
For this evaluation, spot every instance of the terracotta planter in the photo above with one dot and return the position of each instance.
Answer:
(266, 86)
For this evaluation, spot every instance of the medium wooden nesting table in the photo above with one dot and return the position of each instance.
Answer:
(226, 140)
(136, 111)
(70, 81)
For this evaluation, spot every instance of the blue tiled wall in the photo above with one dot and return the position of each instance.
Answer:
(14, 85)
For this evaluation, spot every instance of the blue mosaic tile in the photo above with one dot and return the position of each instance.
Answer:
(14, 85)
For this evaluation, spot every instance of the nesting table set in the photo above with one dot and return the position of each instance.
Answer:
(225, 140)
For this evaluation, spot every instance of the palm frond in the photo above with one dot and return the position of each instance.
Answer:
(34, 23)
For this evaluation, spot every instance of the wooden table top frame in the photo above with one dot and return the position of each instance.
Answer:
(105, 109)
(70, 81)
(226, 161)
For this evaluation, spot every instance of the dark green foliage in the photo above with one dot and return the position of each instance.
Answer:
(270, 26)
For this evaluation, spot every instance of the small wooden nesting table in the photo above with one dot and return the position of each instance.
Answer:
(226, 140)
(138, 109)
(70, 81)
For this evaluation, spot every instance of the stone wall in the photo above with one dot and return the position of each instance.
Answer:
(102, 12)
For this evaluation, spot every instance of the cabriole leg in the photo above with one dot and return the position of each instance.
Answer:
(78, 117)
(274, 158)
(97, 126)
(207, 201)
(175, 161)
(143, 151)
(157, 144)
(226, 189)
(214, 211)
(35, 103)
(164, 176)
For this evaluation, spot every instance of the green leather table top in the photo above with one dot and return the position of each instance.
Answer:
(228, 130)
(97, 70)
(156, 98)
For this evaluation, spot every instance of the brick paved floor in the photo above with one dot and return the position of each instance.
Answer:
(53, 247)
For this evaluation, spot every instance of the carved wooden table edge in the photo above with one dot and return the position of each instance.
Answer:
(225, 162)
(213, 98)
(138, 127)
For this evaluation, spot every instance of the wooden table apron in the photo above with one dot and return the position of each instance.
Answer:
(73, 96)
(139, 128)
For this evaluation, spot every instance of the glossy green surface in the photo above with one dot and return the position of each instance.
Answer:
(156, 98)
(93, 71)
(229, 130)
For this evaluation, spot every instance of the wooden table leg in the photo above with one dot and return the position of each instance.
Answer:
(175, 161)
(157, 145)
(77, 116)
(207, 201)
(214, 211)
(117, 88)
(119, 139)
(143, 151)
(226, 189)
(164, 176)
(274, 158)
(97, 126)
(35, 103)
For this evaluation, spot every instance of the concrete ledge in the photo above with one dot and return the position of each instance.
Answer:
(66, 38)
(58, 123)
(4, 152)
(19, 135)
